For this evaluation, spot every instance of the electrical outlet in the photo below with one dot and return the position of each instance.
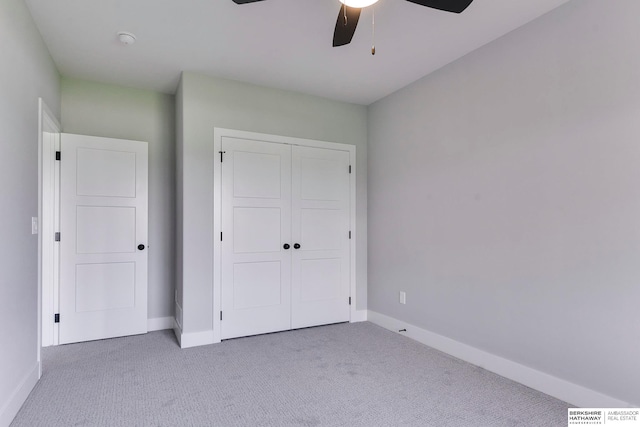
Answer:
(34, 225)
(403, 297)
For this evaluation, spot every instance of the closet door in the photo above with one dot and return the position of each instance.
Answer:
(320, 227)
(256, 224)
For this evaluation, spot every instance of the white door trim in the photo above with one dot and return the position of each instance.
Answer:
(220, 133)
(47, 250)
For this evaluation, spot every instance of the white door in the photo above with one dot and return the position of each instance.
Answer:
(103, 238)
(256, 224)
(284, 256)
(320, 221)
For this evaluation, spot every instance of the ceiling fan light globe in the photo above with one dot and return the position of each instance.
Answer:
(358, 3)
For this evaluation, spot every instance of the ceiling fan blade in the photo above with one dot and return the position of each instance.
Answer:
(346, 28)
(455, 6)
(245, 1)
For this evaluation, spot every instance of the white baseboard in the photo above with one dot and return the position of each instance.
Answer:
(177, 330)
(548, 384)
(178, 316)
(19, 396)
(193, 339)
(160, 323)
(359, 316)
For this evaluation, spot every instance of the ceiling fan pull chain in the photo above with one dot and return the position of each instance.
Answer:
(373, 31)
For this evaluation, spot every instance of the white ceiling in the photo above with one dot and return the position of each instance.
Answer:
(278, 43)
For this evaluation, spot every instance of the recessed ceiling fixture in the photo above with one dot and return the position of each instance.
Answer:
(126, 38)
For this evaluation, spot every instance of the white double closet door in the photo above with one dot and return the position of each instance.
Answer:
(285, 237)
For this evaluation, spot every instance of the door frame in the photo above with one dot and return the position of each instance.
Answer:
(218, 134)
(47, 225)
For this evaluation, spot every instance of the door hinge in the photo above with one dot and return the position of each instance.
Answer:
(349, 234)
(349, 300)
(349, 168)
(221, 236)
(57, 236)
(56, 318)
(221, 154)
(221, 315)
(58, 155)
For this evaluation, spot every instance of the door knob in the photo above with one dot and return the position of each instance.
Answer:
(141, 247)
(296, 246)
(286, 246)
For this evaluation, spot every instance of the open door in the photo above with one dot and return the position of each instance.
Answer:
(103, 238)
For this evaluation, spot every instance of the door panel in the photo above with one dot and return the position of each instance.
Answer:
(105, 229)
(103, 217)
(105, 286)
(257, 284)
(93, 165)
(320, 279)
(321, 176)
(321, 229)
(320, 224)
(257, 175)
(256, 222)
(256, 230)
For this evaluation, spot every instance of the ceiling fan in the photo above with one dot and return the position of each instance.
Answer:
(350, 13)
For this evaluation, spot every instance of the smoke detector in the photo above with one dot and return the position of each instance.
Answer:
(126, 38)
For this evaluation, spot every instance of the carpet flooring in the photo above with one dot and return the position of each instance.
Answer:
(338, 375)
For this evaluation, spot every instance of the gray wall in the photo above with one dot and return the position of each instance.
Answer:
(117, 112)
(211, 102)
(504, 198)
(27, 73)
